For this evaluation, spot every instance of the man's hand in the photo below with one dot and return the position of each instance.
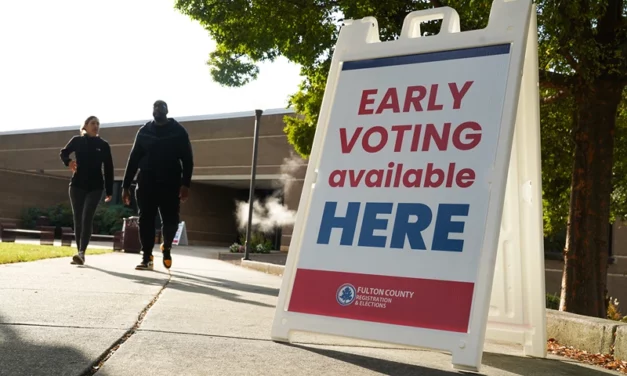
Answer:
(184, 193)
(72, 166)
(108, 198)
(126, 196)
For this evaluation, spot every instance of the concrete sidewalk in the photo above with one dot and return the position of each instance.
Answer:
(207, 317)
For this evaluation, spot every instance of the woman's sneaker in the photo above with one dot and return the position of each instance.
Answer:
(78, 259)
(146, 265)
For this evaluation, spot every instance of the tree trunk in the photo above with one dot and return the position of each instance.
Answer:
(587, 243)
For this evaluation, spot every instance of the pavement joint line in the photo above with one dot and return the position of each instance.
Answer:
(80, 292)
(58, 326)
(99, 363)
(287, 343)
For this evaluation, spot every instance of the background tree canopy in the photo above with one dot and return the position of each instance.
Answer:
(583, 72)
(557, 160)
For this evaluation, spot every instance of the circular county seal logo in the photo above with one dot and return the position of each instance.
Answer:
(346, 294)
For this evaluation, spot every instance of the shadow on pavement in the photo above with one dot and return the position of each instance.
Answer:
(22, 357)
(229, 284)
(386, 367)
(533, 366)
(195, 251)
(211, 253)
(513, 364)
(191, 285)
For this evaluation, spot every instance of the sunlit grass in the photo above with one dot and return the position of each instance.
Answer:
(16, 252)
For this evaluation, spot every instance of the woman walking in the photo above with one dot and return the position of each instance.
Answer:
(91, 153)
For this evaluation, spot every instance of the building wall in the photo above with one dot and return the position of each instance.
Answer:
(222, 147)
(291, 200)
(209, 214)
(20, 190)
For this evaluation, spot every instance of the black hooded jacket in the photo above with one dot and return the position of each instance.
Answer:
(162, 153)
(91, 153)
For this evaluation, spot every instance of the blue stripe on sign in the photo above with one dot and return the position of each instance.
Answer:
(428, 57)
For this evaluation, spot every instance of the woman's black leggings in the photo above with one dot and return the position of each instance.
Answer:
(84, 205)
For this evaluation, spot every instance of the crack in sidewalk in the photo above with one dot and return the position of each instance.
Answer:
(99, 363)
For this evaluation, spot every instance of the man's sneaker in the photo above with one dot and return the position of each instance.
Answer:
(167, 257)
(78, 259)
(146, 265)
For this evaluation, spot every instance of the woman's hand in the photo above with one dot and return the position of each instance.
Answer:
(108, 198)
(72, 166)
(126, 196)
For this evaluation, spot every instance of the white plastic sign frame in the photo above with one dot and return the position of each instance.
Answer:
(359, 41)
(517, 311)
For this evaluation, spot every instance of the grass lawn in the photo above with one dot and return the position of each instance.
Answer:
(16, 252)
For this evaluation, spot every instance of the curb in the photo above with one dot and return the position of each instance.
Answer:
(591, 334)
(265, 267)
(620, 343)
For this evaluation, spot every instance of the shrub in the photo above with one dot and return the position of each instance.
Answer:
(107, 220)
(61, 215)
(263, 248)
(236, 248)
(29, 217)
(258, 243)
(552, 301)
(613, 312)
(110, 218)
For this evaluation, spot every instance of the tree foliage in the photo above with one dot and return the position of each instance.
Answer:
(583, 67)
(305, 32)
(557, 158)
(583, 54)
(619, 173)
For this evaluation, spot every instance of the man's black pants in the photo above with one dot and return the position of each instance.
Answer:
(153, 197)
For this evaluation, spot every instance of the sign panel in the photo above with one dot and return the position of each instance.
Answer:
(398, 224)
(180, 238)
(403, 189)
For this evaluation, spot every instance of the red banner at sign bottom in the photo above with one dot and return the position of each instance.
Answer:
(415, 302)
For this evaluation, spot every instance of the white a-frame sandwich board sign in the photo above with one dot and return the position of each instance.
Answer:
(180, 238)
(400, 220)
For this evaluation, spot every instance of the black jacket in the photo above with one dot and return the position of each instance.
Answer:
(162, 153)
(91, 154)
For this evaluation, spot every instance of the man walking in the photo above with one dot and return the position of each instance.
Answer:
(163, 154)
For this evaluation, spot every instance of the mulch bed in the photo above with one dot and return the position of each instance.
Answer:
(602, 360)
